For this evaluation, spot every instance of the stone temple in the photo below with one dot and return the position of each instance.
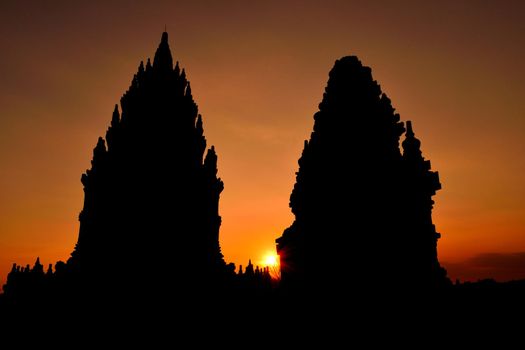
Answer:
(150, 217)
(363, 207)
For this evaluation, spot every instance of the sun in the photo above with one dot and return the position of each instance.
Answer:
(271, 260)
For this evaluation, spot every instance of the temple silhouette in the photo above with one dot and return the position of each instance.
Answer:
(150, 220)
(149, 227)
(363, 208)
(151, 196)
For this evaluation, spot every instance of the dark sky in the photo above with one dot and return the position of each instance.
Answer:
(258, 70)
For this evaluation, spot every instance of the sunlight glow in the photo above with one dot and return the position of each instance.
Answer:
(271, 260)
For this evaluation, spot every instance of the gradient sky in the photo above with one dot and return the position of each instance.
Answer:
(257, 71)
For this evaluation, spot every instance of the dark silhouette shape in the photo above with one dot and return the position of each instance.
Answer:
(27, 285)
(151, 198)
(149, 228)
(254, 282)
(362, 209)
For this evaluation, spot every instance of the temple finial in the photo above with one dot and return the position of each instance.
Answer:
(163, 60)
(411, 145)
(410, 132)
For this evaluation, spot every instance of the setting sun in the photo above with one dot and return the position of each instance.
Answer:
(271, 260)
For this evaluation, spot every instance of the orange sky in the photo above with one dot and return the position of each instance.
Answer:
(257, 72)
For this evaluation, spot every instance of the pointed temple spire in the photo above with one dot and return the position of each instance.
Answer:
(198, 126)
(411, 145)
(409, 132)
(38, 268)
(152, 192)
(115, 119)
(163, 60)
(113, 130)
(188, 90)
(210, 162)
